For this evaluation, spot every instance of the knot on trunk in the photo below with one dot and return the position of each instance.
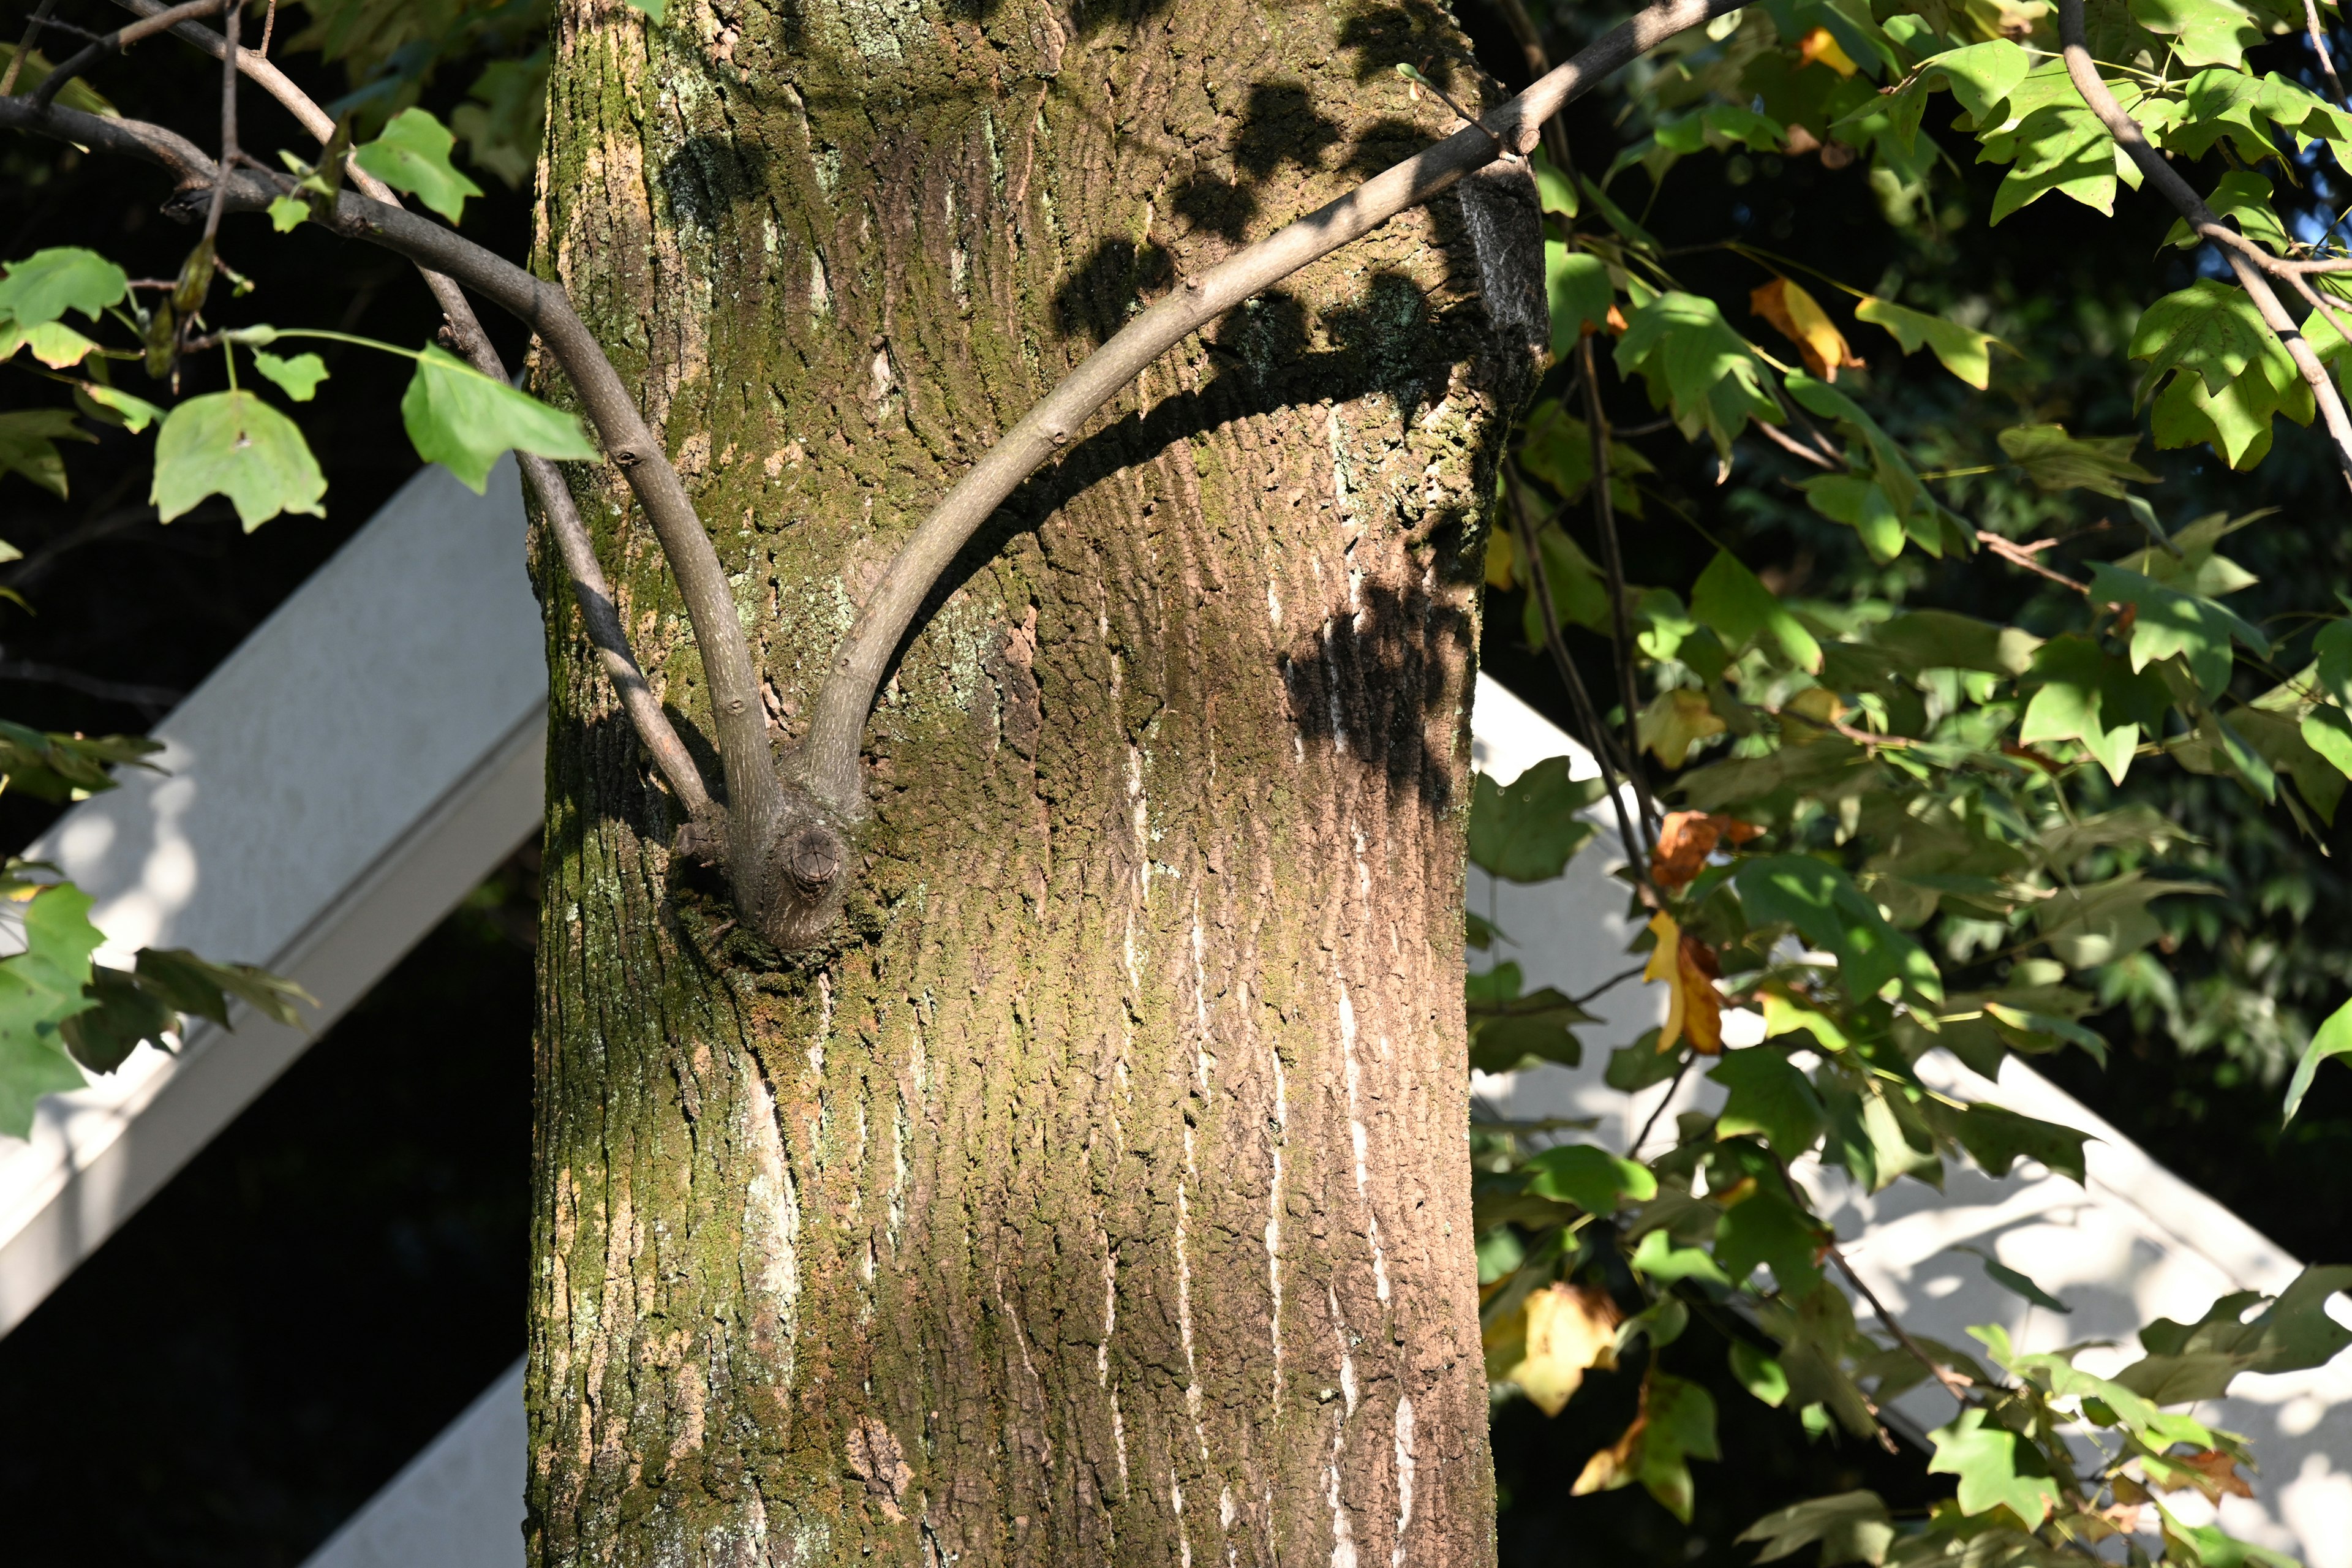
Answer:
(791, 875)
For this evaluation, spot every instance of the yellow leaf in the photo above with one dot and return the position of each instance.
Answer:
(1571, 1329)
(1819, 47)
(1799, 317)
(1501, 551)
(1674, 722)
(1612, 1467)
(1694, 1006)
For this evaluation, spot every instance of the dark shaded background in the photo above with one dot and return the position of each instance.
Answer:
(243, 1363)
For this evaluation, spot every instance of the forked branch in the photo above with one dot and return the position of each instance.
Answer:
(465, 335)
(2253, 264)
(785, 842)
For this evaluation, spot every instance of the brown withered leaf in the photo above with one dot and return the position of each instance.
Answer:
(1686, 839)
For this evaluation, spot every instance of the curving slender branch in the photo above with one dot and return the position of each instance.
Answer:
(2253, 264)
(785, 848)
(837, 727)
(465, 335)
(2318, 36)
(33, 25)
(1613, 565)
(121, 38)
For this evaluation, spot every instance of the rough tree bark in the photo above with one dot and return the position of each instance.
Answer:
(1100, 1192)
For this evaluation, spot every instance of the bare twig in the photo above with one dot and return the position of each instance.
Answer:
(2319, 47)
(1607, 985)
(153, 700)
(2018, 555)
(33, 26)
(2248, 260)
(1955, 1383)
(1612, 778)
(1612, 566)
(121, 38)
(1790, 445)
(1634, 1149)
(232, 18)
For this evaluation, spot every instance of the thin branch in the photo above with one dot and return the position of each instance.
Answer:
(33, 26)
(2319, 47)
(121, 38)
(2018, 555)
(1790, 445)
(1634, 1149)
(1613, 565)
(466, 337)
(838, 722)
(1608, 986)
(1539, 579)
(149, 699)
(231, 20)
(2248, 260)
(1955, 1383)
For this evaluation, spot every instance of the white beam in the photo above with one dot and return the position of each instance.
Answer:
(331, 791)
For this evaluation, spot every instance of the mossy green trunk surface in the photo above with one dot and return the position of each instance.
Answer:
(1100, 1194)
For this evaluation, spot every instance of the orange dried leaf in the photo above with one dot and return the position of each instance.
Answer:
(1821, 47)
(1799, 317)
(1686, 839)
(1694, 1006)
(2216, 1474)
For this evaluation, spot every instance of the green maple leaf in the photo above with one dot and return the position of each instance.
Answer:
(412, 155)
(2054, 460)
(1964, 351)
(1589, 1177)
(2334, 1039)
(2171, 622)
(1525, 831)
(2203, 32)
(1577, 285)
(1996, 1139)
(1861, 503)
(1767, 1095)
(1853, 1527)
(233, 444)
(1997, 1468)
(1766, 1229)
(2059, 147)
(40, 988)
(47, 283)
(464, 420)
(2210, 328)
(1696, 367)
(2086, 695)
(1829, 911)
(1981, 76)
(29, 438)
(1735, 602)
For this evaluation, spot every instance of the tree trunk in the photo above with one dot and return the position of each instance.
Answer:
(1100, 1194)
